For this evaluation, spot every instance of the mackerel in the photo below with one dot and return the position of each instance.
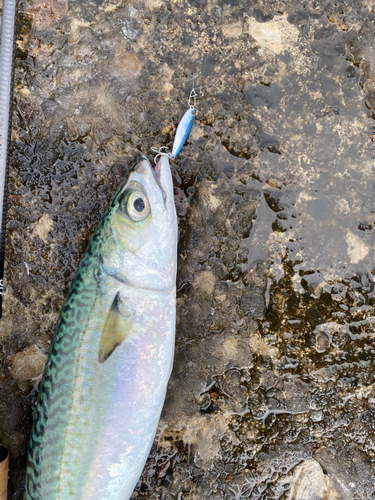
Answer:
(107, 371)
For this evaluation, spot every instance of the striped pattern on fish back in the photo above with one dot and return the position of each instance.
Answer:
(47, 438)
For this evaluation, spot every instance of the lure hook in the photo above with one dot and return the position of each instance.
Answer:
(161, 153)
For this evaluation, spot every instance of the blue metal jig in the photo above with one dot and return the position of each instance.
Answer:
(184, 127)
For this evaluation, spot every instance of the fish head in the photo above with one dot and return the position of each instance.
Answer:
(142, 249)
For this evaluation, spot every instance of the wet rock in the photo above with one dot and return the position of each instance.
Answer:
(42, 227)
(357, 248)
(208, 65)
(273, 34)
(310, 483)
(261, 95)
(29, 364)
(232, 30)
(348, 463)
(362, 53)
(322, 208)
(322, 341)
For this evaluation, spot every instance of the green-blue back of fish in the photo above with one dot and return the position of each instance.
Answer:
(106, 376)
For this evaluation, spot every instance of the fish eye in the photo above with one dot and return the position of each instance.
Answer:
(137, 206)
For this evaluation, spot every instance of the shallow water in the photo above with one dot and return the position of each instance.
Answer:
(273, 382)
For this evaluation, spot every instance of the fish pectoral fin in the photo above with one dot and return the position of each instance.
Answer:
(116, 328)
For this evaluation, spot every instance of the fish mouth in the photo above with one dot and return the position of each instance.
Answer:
(156, 171)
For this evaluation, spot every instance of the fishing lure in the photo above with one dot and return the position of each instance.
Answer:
(183, 129)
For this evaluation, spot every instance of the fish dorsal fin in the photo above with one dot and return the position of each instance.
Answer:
(116, 328)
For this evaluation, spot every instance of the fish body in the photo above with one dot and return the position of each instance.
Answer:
(106, 376)
(183, 131)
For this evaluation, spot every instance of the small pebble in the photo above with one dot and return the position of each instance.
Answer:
(28, 364)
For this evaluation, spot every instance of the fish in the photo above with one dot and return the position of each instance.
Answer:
(108, 367)
(183, 131)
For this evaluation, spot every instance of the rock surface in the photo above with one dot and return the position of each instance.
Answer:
(274, 380)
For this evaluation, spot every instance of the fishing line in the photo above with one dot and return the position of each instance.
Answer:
(8, 36)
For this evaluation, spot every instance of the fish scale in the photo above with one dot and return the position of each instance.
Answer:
(107, 371)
